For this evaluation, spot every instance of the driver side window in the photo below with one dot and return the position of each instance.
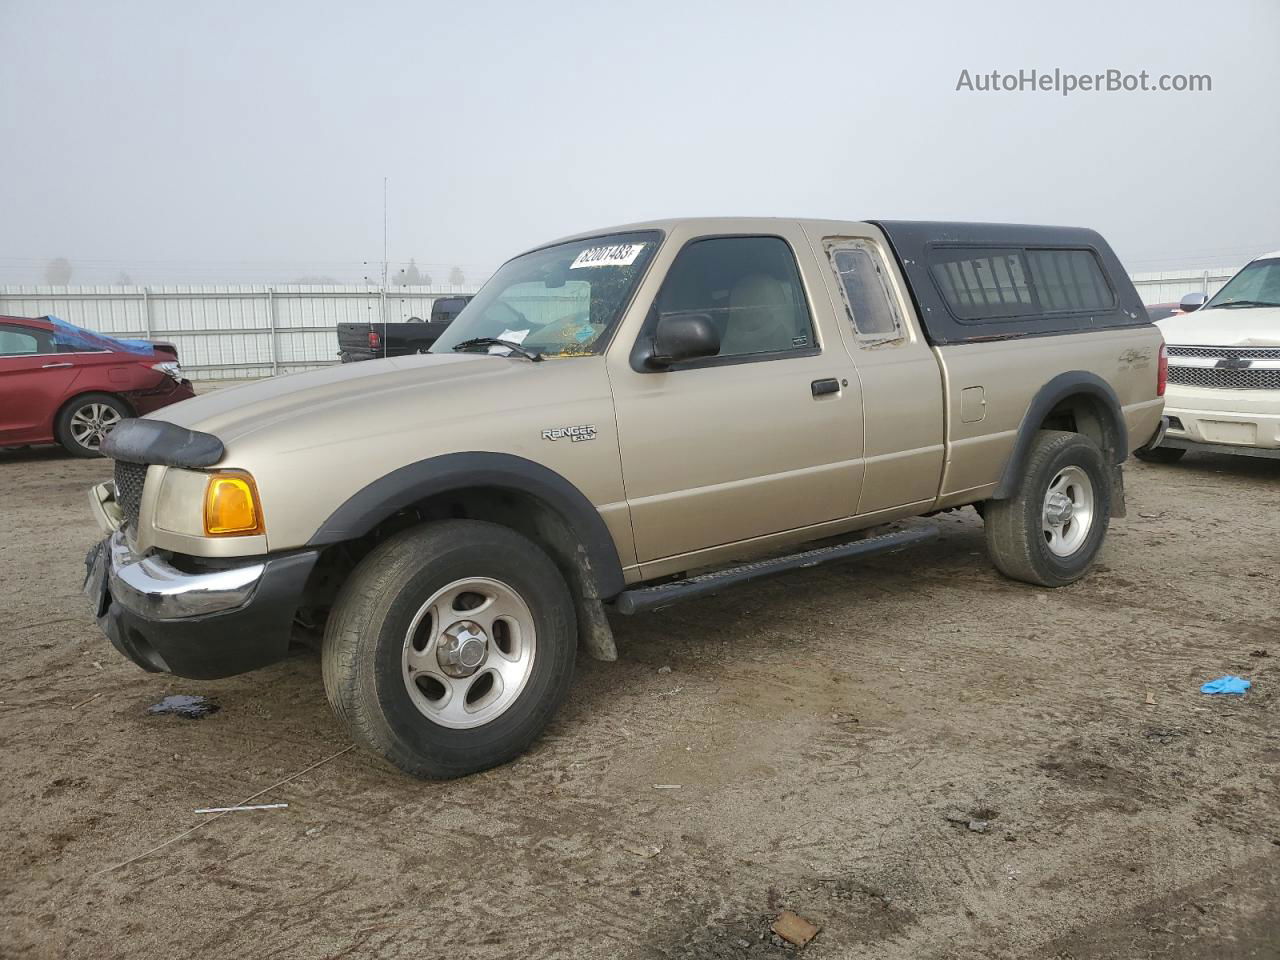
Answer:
(749, 287)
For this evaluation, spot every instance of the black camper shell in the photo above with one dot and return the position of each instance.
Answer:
(993, 281)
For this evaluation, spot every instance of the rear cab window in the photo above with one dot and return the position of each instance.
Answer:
(447, 308)
(865, 289)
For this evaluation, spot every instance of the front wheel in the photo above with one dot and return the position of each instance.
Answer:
(1050, 532)
(450, 647)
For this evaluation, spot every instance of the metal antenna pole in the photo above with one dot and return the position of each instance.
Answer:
(383, 300)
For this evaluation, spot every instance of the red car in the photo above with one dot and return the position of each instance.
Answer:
(62, 384)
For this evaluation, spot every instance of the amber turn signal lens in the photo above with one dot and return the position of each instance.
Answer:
(231, 506)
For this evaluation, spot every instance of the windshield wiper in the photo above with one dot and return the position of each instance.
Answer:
(1246, 303)
(495, 342)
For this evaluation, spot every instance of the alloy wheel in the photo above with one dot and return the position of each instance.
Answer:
(468, 652)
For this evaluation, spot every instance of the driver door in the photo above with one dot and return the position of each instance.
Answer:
(765, 437)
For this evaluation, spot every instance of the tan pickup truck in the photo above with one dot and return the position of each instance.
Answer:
(610, 413)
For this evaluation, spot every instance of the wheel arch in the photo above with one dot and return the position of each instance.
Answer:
(499, 487)
(1077, 401)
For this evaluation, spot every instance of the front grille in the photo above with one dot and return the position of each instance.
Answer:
(129, 480)
(1242, 368)
(1225, 379)
(1241, 353)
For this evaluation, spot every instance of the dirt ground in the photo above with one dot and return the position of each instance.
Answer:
(831, 732)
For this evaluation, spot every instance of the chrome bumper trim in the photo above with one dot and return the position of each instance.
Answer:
(153, 588)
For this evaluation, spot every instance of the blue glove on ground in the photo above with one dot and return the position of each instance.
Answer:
(1227, 684)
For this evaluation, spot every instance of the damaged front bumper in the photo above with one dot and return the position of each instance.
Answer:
(154, 588)
(189, 616)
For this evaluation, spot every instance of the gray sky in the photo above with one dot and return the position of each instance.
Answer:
(249, 141)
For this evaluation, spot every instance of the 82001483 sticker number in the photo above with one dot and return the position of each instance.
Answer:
(616, 255)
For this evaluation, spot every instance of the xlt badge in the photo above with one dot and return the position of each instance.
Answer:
(584, 431)
(1135, 358)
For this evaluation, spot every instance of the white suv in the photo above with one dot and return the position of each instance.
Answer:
(1224, 370)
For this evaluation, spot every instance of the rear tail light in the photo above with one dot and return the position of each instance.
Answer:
(374, 340)
(169, 368)
(1162, 371)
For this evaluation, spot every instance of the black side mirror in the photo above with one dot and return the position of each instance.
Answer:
(685, 336)
(1193, 301)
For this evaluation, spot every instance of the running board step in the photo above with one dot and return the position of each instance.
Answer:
(650, 598)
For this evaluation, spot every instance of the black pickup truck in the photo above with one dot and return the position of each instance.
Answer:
(367, 341)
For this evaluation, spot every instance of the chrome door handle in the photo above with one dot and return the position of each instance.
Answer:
(50, 366)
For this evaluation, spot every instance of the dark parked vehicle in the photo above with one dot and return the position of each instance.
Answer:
(367, 341)
(62, 384)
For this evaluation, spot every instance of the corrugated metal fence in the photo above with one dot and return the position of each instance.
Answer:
(228, 331)
(235, 331)
(1169, 286)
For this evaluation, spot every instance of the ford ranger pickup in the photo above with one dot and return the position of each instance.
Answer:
(618, 421)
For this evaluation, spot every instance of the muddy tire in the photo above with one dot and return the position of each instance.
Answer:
(450, 647)
(1050, 532)
(1161, 454)
(85, 421)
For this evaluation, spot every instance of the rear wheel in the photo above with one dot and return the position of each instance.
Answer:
(1050, 532)
(85, 422)
(450, 647)
(1161, 454)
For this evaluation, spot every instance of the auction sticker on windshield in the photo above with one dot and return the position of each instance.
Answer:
(617, 255)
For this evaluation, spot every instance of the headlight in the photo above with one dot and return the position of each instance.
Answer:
(169, 368)
(231, 506)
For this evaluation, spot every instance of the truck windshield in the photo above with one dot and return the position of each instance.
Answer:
(558, 301)
(1257, 285)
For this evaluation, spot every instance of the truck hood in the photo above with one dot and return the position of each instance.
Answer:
(312, 441)
(370, 397)
(1224, 327)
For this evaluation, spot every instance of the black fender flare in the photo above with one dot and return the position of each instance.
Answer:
(1064, 385)
(387, 495)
